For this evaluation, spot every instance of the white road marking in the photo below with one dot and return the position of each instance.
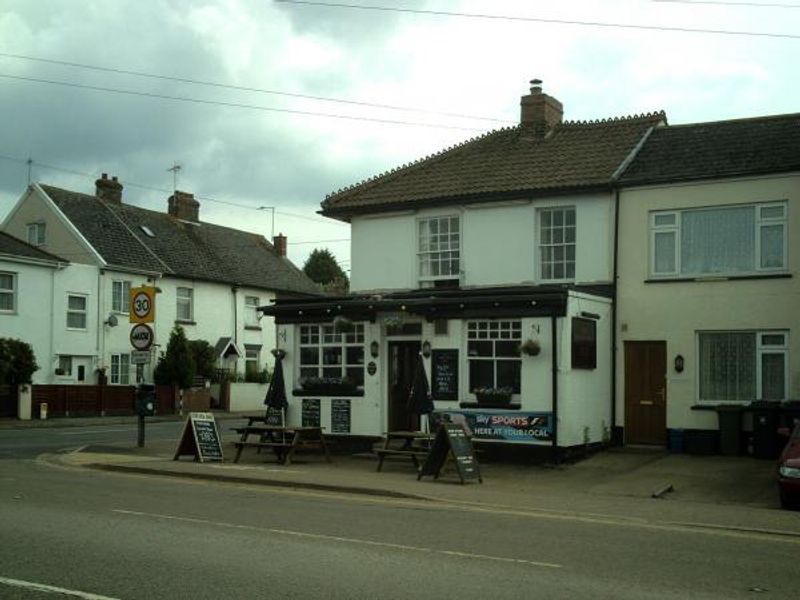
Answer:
(333, 538)
(87, 431)
(49, 589)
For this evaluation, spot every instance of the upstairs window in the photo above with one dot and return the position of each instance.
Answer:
(326, 353)
(185, 304)
(728, 240)
(76, 311)
(557, 244)
(120, 294)
(493, 353)
(251, 304)
(36, 234)
(439, 251)
(8, 292)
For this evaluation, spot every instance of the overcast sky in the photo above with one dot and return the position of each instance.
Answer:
(443, 64)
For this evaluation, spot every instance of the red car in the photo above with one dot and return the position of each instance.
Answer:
(789, 469)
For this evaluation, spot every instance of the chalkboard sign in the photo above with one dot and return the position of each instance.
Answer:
(340, 415)
(311, 412)
(451, 440)
(444, 374)
(273, 417)
(200, 438)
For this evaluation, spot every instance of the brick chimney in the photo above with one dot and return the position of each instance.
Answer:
(108, 189)
(183, 206)
(279, 241)
(540, 113)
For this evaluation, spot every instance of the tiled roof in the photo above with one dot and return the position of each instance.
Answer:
(12, 246)
(718, 149)
(180, 248)
(573, 155)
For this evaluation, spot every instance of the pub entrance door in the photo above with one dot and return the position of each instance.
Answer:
(402, 360)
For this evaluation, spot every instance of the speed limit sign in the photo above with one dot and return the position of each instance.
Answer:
(142, 308)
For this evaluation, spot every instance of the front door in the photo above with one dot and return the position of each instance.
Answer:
(402, 359)
(646, 393)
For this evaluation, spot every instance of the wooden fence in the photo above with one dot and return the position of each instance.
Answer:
(94, 400)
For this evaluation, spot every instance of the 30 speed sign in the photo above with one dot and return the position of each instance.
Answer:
(142, 308)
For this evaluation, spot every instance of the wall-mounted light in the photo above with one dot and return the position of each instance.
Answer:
(374, 347)
(426, 348)
(679, 364)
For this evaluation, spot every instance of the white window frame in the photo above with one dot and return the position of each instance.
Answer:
(563, 244)
(759, 223)
(430, 254)
(75, 311)
(12, 292)
(761, 350)
(493, 330)
(251, 304)
(36, 233)
(326, 337)
(120, 295)
(65, 364)
(252, 355)
(187, 299)
(120, 371)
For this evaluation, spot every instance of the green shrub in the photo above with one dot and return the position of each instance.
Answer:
(17, 361)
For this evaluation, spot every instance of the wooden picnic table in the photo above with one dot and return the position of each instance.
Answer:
(282, 440)
(410, 444)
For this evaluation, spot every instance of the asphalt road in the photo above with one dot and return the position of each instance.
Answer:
(117, 536)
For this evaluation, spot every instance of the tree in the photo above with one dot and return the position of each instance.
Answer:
(205, 359)
(176, 366)
(321, 266)
(17, 361)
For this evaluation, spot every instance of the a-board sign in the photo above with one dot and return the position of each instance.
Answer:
(311, 412)
(444, 374)
(340, 415)
(451, 440)
(200, 438)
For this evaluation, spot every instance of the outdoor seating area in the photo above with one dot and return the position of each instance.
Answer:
(283, 440)
(413, 445)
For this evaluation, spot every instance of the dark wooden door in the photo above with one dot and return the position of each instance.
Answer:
(646, 393)
(402, 359)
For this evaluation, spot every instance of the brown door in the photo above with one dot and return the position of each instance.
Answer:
(402, 359)
(646, 393)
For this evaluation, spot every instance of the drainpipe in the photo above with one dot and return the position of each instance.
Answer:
(554, 362)
(614, 325)
(234, 289)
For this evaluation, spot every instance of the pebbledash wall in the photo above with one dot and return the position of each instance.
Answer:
(498, 243)
(675, 311)
(584, 395)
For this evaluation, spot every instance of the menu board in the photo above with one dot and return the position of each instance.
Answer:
(311, 412)
(200, 438)
(452, 440)
(274, 417)
(340, 415)
(444, 374)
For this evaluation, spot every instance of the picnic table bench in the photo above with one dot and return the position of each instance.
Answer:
(413, 445)
(282, 440)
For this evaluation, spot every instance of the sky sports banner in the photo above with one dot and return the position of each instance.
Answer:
(503, 427)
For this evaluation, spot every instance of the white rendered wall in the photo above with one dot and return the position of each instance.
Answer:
(498, 243)
(674, 311)
(247, 397)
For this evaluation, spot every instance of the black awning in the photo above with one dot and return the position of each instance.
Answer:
(431, 304)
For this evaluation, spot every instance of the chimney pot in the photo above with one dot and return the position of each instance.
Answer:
(108, 189)
(279, 241)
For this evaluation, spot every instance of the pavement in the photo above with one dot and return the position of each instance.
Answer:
(733, 493)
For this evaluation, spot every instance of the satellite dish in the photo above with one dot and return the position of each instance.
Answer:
(112, 320)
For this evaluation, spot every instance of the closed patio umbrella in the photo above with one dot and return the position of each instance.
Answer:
(419, 400)
(276, 394)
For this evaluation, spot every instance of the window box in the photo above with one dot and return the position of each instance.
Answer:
(328, 386)
(494, 396)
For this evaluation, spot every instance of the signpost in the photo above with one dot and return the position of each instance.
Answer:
(142, 310)
(451, 441)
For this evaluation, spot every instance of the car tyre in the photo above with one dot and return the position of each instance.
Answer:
(787, 502)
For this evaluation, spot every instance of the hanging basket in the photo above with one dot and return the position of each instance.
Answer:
(530, 348)
(343, 325)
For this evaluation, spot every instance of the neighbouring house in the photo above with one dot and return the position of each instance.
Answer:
(493, 261)
(709, 281)
(210, 279)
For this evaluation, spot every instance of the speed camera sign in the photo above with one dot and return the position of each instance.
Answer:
(142, 307)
